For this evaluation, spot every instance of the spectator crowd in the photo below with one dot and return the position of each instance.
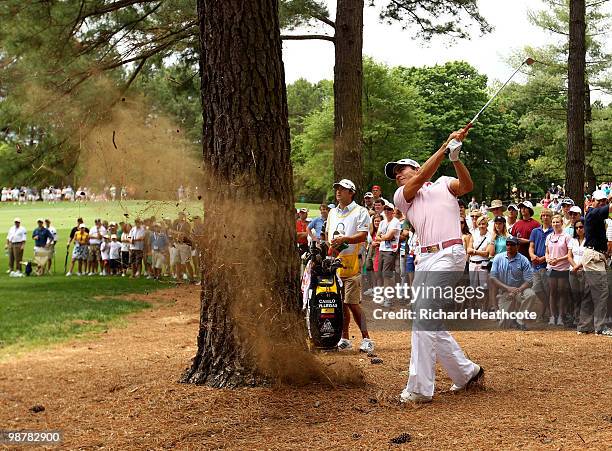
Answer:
(557, 265)
(147, 248)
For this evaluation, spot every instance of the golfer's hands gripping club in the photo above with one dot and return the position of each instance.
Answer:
(455, 142)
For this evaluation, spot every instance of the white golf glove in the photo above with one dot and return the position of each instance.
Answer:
(453, 149)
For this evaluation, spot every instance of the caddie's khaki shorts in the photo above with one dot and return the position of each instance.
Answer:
(352, 289)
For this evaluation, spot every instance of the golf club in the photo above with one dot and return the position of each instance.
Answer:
(454, 144)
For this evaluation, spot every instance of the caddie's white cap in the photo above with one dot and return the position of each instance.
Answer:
(599, 195)
(17, 220)
(390, 166)
(346, 183)
(575, 209)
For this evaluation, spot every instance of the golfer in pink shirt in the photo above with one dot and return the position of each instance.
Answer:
(433, 210)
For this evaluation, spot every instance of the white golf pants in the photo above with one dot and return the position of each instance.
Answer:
(443, 269)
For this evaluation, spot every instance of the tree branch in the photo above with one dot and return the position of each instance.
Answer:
(303, 37)
(596, 3)
(325, 20)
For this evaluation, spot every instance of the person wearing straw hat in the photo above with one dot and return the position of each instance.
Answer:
(497, 209)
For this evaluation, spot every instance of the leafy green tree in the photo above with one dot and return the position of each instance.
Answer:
(391, 127)
(449, 96)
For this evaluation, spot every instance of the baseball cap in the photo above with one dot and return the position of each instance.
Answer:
(390, 166)
(345, 183)
(499, 219)
(512, 240)
(368, 194)
(17, 220)
(526, 204)
(389, 206)
(575, 209)
(303, 210)
(81, 226)
(475, 213)
(113, 236)
(567, 201)
(376, 187)
(330, 206)
(599, 195)
(40, 220)
(513, 206)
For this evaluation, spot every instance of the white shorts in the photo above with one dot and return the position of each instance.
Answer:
(159, 259)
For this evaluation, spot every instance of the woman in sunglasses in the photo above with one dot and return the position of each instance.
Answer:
(557, 250)
(576, 275)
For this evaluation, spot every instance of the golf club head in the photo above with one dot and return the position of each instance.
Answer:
(529, 61)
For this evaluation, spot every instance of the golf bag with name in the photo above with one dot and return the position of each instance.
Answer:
(323, 298)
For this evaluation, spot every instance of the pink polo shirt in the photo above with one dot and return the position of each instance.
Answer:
(434, 211)
(558, 246)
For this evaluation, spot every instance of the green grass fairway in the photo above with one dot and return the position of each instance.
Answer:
(41, 310)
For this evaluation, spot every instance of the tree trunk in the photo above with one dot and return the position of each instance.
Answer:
(574, 163)
(348, 81)
(591, 180)
(250, 280)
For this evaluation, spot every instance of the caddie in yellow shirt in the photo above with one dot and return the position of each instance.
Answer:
(347, 230)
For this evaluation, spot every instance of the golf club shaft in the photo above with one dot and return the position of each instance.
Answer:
(471, 123)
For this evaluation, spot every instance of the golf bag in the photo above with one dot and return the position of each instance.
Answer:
(323, 298)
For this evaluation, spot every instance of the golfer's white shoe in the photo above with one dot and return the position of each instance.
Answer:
(477, 378)
(417, 398)
(367, 345)
(68, 274)
(344, 345)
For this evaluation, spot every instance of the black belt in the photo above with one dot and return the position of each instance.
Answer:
(15, 244)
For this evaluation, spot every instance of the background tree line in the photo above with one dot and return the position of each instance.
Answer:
(57, 59)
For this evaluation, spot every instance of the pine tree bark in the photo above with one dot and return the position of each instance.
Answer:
(591, 180)
(348, 81)
(251, 269)
(574, 162)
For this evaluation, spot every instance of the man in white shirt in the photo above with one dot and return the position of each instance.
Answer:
(137, 237)
(15, 244)
(51, 245)
(388, 237)
(347, 229)
(95, 238)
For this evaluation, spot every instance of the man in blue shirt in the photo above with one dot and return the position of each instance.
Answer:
(41, 235)
(537, 253)
(511, 273)
(317, 223)
(43, 239)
